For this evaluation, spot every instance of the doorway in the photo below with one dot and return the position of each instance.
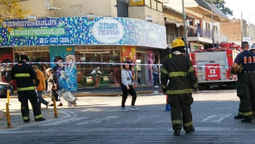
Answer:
(140, 61)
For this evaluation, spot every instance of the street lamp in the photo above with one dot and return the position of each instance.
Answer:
(212, 23)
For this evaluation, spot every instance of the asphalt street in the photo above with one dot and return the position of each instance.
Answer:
(99, 120)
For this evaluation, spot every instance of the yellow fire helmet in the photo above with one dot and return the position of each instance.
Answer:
(178, 42)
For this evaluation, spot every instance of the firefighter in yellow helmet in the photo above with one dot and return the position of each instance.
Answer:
(178, 81)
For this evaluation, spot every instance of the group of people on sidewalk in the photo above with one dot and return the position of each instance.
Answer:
(46, 79)
(30, 85)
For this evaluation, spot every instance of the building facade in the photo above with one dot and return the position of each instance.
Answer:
(202, 28)
(84, 42)
(235, 30)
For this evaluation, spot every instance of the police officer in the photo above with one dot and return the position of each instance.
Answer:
(178, 81)
(25, 77)
(244, 66)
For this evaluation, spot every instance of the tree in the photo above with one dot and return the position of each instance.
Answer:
(11, 9)
(221, 5)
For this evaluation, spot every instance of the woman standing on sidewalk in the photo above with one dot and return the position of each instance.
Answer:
(127, 86)
(53, 86)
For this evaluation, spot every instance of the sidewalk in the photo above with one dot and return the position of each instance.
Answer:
(114, 91)
(16, 118)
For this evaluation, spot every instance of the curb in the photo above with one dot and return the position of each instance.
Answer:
(103, 94)
(98, 94)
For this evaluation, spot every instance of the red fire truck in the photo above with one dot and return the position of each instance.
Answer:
(213, 66)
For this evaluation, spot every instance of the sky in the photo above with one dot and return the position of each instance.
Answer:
(247, 6)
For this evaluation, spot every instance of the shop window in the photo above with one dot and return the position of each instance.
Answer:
(36, 54)
(97, 68)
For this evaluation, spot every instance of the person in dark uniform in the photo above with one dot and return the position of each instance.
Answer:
(244, 66)
(178, 81)
(26, 80)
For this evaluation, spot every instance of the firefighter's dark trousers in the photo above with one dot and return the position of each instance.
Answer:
(246, 93)
(181, 111)
(24, 96)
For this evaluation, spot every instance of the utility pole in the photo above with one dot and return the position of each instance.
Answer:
(241, 26)
(212, 23)
(184, 25)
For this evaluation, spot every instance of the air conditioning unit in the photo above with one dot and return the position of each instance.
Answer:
(149, 19)
(48, 6)
(31, 18)
(91, 16)
(178, 24)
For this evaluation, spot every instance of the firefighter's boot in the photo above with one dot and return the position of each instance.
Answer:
(190, 130)
(238, 117)
(247, 120)
(177, 132)
(40, 119)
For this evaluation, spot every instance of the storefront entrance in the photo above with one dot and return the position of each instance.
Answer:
(144, 73)
(98, 69)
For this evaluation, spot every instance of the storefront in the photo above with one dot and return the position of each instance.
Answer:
(84, 53)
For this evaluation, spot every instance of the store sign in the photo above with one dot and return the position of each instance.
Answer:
(212, 71)
(66, 31)
(137, 2)
(108, 30)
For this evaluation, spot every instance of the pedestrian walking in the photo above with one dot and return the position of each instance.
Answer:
(45, 76)
(244, 67)
(41, 86)
(155, 74)
(25, 77)
(127, 86)
(53, 86)
(178, 81)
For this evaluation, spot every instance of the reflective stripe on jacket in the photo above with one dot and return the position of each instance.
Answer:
(178, 75)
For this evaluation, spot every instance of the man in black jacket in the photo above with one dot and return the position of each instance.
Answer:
(25, 77)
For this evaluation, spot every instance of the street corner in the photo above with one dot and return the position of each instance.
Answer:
(17, 122)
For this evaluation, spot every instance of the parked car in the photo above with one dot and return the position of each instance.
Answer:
(3, 89)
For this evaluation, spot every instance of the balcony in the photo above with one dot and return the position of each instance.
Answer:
(201, 35)
(205, 36)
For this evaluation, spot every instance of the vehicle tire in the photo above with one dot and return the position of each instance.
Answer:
(3, 96)
(201, 87)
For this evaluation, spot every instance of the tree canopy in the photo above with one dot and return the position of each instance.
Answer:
(221, 5)
(11, 9)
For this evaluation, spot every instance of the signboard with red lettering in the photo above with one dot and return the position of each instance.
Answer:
(212, 71)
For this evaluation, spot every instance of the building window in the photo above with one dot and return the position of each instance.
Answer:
(148, 3)
(160, 6)
(215, 29)
(208, 27)
(154, 4)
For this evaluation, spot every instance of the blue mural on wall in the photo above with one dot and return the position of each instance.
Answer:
(64, 66)
(81, 31)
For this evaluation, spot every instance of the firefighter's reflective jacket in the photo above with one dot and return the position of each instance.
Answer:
(178, 75)
(24, 75)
